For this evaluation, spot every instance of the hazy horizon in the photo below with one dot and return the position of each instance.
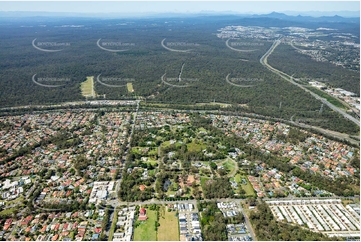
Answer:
(154, 7)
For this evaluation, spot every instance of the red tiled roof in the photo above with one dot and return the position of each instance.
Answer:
(57, 227)
(65, 227)
(43, 229)
(55, 237)
(6, 227)
(142, 211)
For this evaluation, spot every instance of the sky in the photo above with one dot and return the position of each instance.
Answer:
(178, 6)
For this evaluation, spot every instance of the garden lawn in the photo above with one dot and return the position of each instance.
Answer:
(146, 230)
(238, 178)
(248, 188)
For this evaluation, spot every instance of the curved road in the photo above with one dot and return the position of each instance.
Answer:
(291, 43)
(288, 78)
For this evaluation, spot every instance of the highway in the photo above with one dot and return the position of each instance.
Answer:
(288, 78)
(331, 133)
(291, 43)
(338, 99)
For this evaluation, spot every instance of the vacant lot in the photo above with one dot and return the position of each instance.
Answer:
(146, 230)
(87, 87)
(168, 229)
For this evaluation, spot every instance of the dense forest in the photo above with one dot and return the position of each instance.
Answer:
(145, 61)
(267, 228)
(217, 188)
(213, 222)
(288, 60)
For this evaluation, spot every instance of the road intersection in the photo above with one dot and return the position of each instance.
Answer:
(288, 78)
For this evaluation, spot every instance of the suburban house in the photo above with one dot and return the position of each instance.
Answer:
(142, 214)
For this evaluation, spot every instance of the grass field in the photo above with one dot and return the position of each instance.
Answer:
(153, 151)
(165, 144)
(168, 229)
(170, 193)
(203, 180)
(229, 165)
(113, 226)
(151, 172)
(146, 230)
(248, 188)
(196, 147)
(139, 150)
(237, 178)
(87, 87)
(201, 129)
(347, 201)
(7, 212)
(223, 105)
(130, 87)
(152, 162)
(17, 200)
